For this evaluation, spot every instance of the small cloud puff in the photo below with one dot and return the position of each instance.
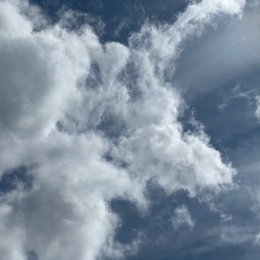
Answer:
(257, 111)
(182, 218)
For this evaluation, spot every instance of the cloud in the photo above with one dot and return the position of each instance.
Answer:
(182, 217)
(232, 47)
(257, 239)
(57, 87)
(257, 111)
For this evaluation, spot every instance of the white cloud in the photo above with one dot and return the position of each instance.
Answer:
(230, 46)
(45, 78)
(34, 89)
(257, 111)
(66, 215)
(257, 239)
(182, 218)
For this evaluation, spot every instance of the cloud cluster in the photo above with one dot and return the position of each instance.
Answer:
(92, 123)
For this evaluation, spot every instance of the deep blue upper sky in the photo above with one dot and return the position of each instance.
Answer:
(120, 18)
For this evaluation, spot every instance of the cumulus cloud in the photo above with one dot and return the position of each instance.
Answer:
(58, 87)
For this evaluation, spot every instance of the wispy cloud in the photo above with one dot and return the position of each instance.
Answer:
(257, 111)
(182, 217)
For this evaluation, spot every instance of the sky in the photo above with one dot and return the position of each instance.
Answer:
(129, 129)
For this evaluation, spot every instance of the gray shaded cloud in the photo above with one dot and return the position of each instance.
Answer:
(43, 82)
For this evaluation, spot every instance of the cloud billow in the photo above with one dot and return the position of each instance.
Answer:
(45, 76)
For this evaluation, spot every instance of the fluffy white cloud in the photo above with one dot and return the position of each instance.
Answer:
(34, 89)
(57, 87)
(65, 215)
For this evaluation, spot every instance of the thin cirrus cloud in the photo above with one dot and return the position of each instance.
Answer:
(57, 87)
(233, 50)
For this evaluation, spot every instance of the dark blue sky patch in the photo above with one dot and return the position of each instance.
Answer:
(12, 178)
(32, 256)
(203, 241)
(121, 17)
(161, 240)
(227, 128)
(111, 126)
(131, 220)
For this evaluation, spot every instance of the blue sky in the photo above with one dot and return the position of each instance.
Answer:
(129, 129)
